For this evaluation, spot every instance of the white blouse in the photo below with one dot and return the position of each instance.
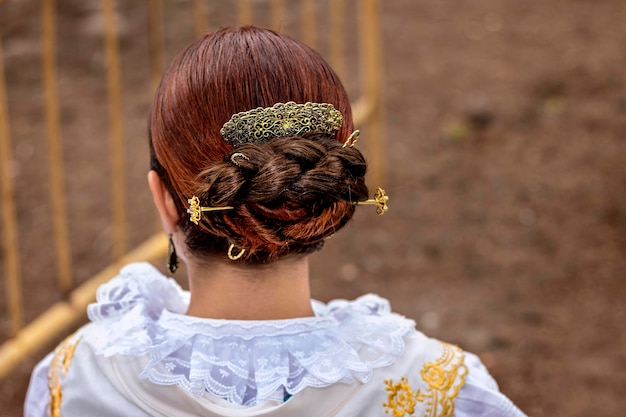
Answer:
(142, 356)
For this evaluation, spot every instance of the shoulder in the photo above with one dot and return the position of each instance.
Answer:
(58, 381)
(480, 394)
(74, 381)
(449, 381)
(432, 378)
(426, 381)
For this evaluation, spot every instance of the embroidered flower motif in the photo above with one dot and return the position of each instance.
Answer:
(401, 399)
(444, 377)
(434, 376)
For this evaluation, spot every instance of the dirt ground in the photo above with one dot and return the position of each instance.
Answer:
(505, 139)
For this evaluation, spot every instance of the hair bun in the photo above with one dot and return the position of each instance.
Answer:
(289, 194)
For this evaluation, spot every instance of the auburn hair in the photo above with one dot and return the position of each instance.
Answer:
(289, 194)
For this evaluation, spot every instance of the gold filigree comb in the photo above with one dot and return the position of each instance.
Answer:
(281, 120)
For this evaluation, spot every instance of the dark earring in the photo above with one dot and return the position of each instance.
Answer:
(172, 258)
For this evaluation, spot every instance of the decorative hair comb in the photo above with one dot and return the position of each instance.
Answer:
(281, 120)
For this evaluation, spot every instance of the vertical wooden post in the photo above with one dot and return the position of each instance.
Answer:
(116, 133)
(57, 188)
(278, 14)
(9, 220)
(244, 12)
(369, 35)
(308, 19)
(337, 39)
(155, 35)
(199, 17)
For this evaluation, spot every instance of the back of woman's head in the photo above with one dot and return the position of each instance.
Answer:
(288, 194)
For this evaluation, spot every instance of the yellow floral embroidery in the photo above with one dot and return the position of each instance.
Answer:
(444, 377)
(61, 362)
(400, 399)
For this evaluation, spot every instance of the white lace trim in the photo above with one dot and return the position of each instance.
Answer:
(141, 312)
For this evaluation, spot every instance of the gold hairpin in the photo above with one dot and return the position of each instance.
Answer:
(351, 141)
(380, 200)
(233, 158)
(195, 209)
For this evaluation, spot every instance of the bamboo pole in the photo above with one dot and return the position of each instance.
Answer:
(278, 15)
(362, 110)
(199, 17)
(57, 189)
(9, 220)
(155, 35)
(308, 19)
(369, 35)
(63, 315)
(337, 39)
(116, 134)
(244, 12)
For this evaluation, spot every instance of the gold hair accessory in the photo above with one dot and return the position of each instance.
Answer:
(380, 200)
(234, 257)
(233, 158)
(195, 209)
(351, 141)
(281, 120)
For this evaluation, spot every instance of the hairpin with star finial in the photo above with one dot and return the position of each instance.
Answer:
(195, 209)
(380, 201)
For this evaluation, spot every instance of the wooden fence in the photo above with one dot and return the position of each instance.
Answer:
(313, 19)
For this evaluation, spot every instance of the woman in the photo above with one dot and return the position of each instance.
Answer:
(253, 167)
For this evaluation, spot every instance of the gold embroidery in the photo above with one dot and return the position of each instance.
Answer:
(400, 399)
(444, 377)
(61, 362)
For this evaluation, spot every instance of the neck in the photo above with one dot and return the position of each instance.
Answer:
(275, 291)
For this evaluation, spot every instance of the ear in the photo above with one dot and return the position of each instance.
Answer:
(164, 202)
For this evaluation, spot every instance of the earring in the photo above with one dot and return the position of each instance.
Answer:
(172, 258)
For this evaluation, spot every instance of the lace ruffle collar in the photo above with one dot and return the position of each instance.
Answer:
(141, 312)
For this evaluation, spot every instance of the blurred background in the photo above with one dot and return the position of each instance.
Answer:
(502, 150)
